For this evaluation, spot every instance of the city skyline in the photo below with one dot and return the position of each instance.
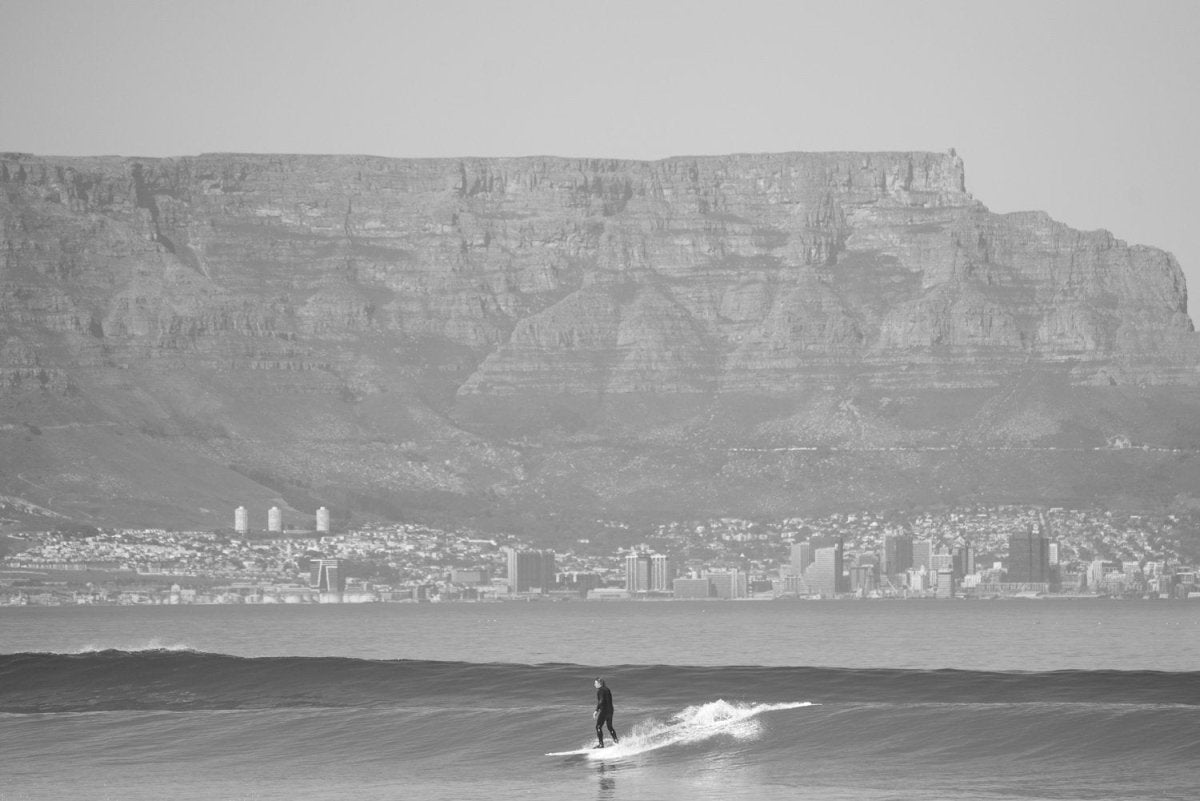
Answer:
(845, 560)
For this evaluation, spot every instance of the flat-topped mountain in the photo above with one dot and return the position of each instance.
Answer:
(551, 340)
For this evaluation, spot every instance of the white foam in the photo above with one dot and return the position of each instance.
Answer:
(694, 724)
(151, 645)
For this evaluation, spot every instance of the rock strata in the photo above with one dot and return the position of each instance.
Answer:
(413, 330)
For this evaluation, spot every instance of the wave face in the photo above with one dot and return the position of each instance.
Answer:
(171, 679)
(203, 725)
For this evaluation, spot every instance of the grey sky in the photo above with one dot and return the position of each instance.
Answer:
(1086, 110)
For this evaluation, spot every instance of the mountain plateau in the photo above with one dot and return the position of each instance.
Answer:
(533, 343)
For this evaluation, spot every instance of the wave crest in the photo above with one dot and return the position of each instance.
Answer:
(150, 646)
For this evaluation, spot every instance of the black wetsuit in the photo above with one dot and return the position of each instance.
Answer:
(604, 714)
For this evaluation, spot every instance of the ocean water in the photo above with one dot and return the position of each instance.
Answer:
(887, 700)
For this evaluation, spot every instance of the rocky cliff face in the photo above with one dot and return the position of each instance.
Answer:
(393, 334)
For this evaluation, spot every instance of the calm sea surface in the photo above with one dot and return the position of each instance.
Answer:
(987, 635)
(853, 701)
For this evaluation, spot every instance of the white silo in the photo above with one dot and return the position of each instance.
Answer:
(241, 520)
(323, 520)
(275, 520)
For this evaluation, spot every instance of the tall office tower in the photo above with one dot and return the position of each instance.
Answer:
(802, 557)
(824, 575)
(1028, 558)
(327, 575)
(941, 560)
(728, 583)
(637, 572)
(241, 520)
(528, 570)
(897, 554)
(1054, 553)
(512, 556)
(275, 519)
(964, 560)
(662, 573)
(944, 586)
(547, 569)
(322, 520)
(922, 554)
(862, 577)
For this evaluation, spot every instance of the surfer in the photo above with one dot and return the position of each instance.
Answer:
(604, 712)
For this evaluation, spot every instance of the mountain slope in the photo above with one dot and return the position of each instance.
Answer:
(500, 341)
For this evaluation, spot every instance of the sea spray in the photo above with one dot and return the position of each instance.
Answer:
(693, 725)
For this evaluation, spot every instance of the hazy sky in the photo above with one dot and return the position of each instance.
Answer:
(1087, 110)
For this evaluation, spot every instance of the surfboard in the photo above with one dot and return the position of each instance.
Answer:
(576, 752)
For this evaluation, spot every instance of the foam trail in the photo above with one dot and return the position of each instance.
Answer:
(694, 724)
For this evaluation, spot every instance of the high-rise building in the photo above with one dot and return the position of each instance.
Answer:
(863, 577)
(322, 520)
(944, 583)
(275, 519)
(241, 520)
(897, 554)
(727, 583)
(326, 575)
(637, 572)
(530, 570)
(1029, 558)
(964, 560)
(824, 575)
(662, 573)
(802, 557)
(692, 588)
(922, 554)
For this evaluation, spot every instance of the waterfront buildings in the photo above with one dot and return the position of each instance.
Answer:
(896, 556)
(647, 572)
(327, 576)
(963, 562)
(1028, 558)
(922, 555)
(662, 572)
(530, 570)
(637, 573)
(824, 575)
(801, 557)
(729, 583)
(1097, 555)
(693, 588)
